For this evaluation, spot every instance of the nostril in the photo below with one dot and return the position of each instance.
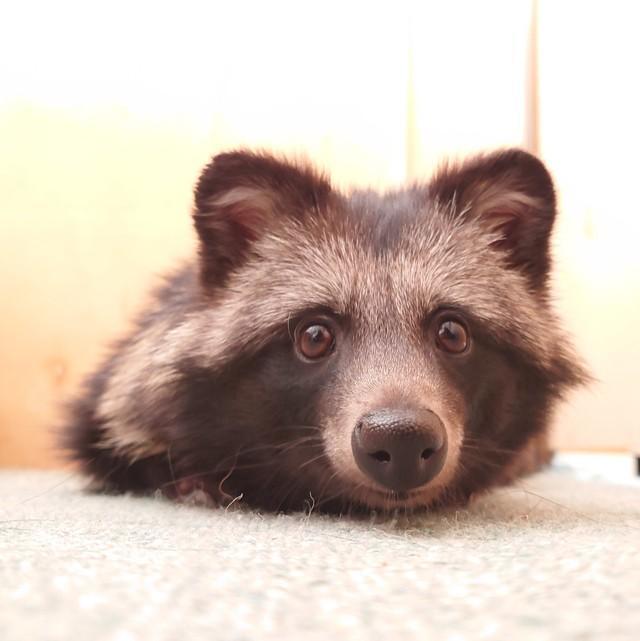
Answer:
(428, 453)
(381, 456)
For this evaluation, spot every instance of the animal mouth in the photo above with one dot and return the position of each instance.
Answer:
(374, 498)
(398, 497)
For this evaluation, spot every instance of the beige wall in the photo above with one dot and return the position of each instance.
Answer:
(106, 119)
(590, 134)
(91, 210)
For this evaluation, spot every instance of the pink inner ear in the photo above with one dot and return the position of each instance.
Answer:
(248, 221)
(245, 209)
(504, 224)
(501, 215)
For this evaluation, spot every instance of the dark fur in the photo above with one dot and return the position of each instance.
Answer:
(207, 392)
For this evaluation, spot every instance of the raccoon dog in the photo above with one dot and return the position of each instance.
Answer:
(358, 352)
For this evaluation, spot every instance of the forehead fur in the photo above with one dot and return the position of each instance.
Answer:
(385, 262)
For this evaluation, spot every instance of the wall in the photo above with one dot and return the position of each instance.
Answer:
(107, 115)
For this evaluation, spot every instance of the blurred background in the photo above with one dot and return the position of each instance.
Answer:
(109, 110)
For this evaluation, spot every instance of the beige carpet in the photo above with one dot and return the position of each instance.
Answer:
(558, 561)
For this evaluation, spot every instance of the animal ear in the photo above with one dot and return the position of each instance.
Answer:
(242, 196)
(511, 194)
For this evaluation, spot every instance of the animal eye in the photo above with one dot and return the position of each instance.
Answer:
(452, 337)
(314, 341)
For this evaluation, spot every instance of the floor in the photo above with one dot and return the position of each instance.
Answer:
(556, 557)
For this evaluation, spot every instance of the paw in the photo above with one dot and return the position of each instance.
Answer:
(192, 491)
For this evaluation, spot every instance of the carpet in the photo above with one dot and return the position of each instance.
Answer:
(556, 557)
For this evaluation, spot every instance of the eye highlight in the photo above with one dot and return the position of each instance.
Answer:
(452, 336)
(314, 340)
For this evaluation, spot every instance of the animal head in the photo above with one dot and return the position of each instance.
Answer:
(378, 350)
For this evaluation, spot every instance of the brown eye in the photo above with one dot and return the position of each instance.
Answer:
(315, 341)
(452, 337)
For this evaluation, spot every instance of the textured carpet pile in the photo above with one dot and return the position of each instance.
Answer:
(554, 558)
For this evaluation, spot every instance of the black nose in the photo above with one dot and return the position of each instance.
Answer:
(400, 449)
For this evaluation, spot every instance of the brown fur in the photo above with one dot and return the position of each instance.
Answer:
(207, 386)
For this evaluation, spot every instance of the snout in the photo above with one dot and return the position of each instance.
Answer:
(400, 449)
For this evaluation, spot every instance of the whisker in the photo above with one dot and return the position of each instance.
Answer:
(222, 492)
(479, 447)
(222, 463)
(325, 485)
(478, 461)
(300, 441)
(291, 336)
(173, 476)
(311, 460)
(342, 492)
(237, 498)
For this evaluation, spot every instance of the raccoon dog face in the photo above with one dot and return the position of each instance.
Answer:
(363, 350)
